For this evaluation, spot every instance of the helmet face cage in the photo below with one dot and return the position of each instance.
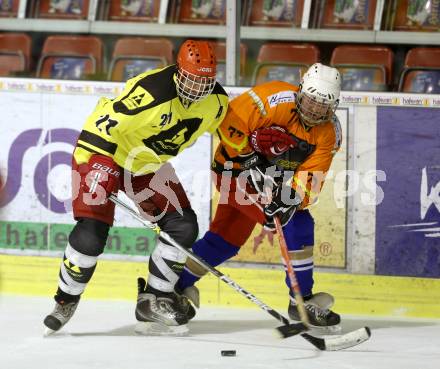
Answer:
(196, 71)
(191, 87)
(318, 96)
(314, 110)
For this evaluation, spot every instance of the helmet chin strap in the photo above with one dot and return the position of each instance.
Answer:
(306, 124)
(309, 117)
(304, 120)
(185, 102)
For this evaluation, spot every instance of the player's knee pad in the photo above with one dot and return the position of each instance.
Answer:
(302, 258)
(89, 236)
(183, 228)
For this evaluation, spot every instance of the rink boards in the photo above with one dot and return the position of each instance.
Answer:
(354, 294)
(379, 212)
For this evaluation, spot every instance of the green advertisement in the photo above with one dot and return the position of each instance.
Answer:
(54, 237)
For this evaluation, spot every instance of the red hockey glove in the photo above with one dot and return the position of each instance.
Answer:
(103, 177)
(271, 141)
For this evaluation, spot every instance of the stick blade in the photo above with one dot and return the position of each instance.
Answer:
(341, 342)
(290, 330)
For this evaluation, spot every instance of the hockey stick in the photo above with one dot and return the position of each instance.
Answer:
(291, 273)
(288, 329)
(331, 344)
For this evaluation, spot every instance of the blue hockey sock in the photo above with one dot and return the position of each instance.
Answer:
(304, 278)
(213, 249)
(299, 234)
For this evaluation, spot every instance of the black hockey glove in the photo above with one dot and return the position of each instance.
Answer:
(284, 204)
(265, 179)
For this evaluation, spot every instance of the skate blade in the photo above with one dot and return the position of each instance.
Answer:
(158, 329)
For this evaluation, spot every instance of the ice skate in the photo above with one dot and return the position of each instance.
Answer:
(321, 318)
(159, 315)
(60, 315)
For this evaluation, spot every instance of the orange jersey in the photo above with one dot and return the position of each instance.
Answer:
(269, 104)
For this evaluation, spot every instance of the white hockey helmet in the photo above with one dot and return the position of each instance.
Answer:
(318, 95)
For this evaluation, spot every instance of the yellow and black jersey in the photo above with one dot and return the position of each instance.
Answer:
(148, 124)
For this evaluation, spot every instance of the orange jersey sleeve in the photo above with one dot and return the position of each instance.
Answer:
(268, 104)
(310, 175)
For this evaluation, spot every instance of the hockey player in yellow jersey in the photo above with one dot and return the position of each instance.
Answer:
(125, 145)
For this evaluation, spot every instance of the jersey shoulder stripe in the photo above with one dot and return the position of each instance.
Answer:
(97, 142)
(159, 85)
(258, 102)
(89, 149)
(338, 132)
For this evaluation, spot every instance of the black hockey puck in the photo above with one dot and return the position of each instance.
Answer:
(228, 352)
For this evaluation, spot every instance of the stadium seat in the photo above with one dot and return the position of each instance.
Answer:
(421, 73)
(265, 13)
(220, 51)
(131, 10)
(70, 57)
(15, 52)
(62, 9)
(9, 8)
(202, 12)
(348, 14)
(284, 62)
(134, 55)
(364, 67)
(410, 15)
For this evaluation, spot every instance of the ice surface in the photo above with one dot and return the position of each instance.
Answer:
(101, 336)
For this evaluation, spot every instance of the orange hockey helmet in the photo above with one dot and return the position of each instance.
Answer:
(196, 70)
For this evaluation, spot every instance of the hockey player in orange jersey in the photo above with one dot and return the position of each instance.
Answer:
(285, 136)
